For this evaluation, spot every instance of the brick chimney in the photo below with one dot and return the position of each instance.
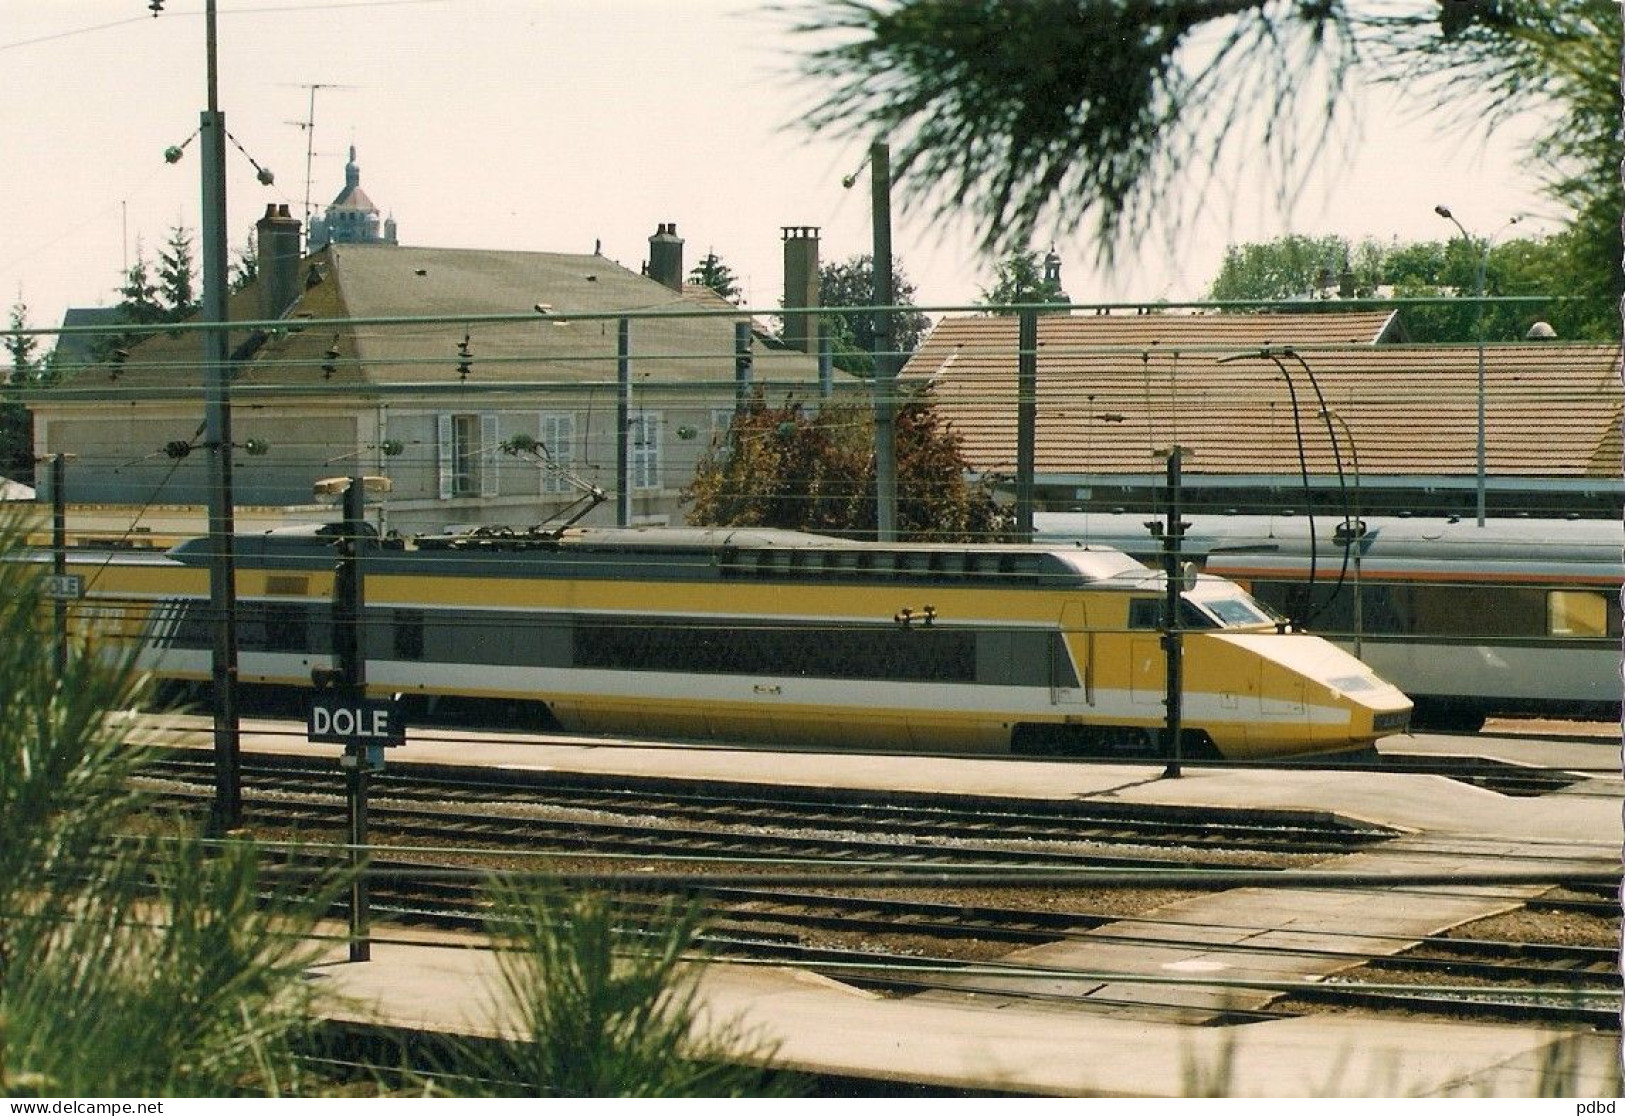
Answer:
(278, 248)
(801, 286)
(666, 256)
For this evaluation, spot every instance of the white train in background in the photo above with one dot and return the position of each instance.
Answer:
(1516, 616)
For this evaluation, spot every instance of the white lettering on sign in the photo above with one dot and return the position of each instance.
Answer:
(335, 720)
(64, 587)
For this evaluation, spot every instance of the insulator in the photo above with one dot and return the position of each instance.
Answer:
(177, 449)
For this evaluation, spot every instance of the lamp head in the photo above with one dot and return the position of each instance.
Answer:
(1443, 211)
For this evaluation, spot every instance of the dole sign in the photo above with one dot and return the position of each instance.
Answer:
(333, 719)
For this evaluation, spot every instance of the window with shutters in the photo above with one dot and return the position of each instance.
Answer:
(467, 446)
(558, 436)
(644, 436)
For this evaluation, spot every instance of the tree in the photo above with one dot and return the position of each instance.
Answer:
(813, 470)
(246, 268)
(851, 283)
(606, 1002)
(712, 272)
(175, 277)
(140, 303)
(1027, 110)
(1493, 58)
(1289, 267)
(1022, 279)
(16, 424)
(184, 963)
(1297, 267)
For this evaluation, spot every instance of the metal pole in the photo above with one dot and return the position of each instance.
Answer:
(1026, 420)
(227, 812)
(1356, 533)
(1172, 644)
(59, 558)
(744, 369)
(1478, 319)
(1478, 328)
(349, 607)
(623, 423)
(885, 367)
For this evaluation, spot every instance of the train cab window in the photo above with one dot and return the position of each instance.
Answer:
(1576, 612)
(1145, 615)
(1236, 611)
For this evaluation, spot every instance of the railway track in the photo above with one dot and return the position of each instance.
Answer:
(621, 811)
(900, 942)
(856, 939)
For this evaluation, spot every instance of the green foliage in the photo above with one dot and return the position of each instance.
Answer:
(1021, 278)
(1492, 61)
(1030, 111)
(246, 268)
(851, 283)
(605, 1001)
(1291, 267)
(1020, 109)
(16, 424)
(713, 273)
(128, 966)
(175, 277)
(813, 470)
(1298, 267)
(21, 347)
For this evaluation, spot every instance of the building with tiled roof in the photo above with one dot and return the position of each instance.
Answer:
(428, 361)
(1246, 398)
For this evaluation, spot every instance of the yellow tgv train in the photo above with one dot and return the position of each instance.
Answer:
(772, 636)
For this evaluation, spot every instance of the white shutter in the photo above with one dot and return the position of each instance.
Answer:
(488, 455)
(649, 465)
(558, 434)
(443, 452)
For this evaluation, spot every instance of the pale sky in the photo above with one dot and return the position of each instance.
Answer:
(550, 125)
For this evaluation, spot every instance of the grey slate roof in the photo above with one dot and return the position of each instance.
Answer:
(367, 281)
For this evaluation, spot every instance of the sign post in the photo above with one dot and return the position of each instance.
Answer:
(1172, 645)
(340, 711)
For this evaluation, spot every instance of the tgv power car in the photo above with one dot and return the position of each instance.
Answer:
(796, 639)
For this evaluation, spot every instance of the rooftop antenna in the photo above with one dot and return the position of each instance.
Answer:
(308, 126)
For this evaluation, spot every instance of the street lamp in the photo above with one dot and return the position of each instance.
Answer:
(1478, 319)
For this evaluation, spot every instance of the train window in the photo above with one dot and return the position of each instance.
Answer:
(408, 634)
(1235, 611)
(285, 627)
(1478, 610)
(1145, 615)
(1576, 612)
(808, 651)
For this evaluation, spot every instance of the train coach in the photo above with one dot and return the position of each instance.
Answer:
(777, 636)
(1516, 616)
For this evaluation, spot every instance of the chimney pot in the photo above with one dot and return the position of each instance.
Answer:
(666, 256)
(801, 286)
(277, 244)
